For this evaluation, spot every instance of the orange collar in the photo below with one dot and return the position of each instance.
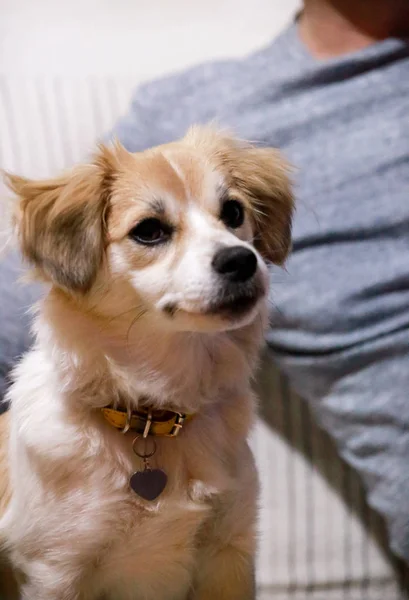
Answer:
(147, 421)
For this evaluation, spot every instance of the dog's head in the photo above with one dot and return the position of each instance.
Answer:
(182, 230)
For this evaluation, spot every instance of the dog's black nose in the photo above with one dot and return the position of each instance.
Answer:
(235, 263)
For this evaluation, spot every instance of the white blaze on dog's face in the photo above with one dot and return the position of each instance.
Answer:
(184, 228)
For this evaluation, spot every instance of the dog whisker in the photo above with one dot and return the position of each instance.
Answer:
(139, 316)
(121, 314)
(276, 308)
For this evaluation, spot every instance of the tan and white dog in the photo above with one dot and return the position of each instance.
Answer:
(152, 323)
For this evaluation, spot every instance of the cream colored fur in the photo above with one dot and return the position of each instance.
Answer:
(73, 528)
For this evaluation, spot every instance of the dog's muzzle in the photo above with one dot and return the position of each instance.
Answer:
(239, 287)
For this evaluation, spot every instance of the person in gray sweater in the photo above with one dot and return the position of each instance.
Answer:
(332, 92)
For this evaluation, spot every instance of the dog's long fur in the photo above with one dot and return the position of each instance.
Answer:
(121, 322)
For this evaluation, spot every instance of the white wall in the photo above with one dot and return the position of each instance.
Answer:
(132, 38)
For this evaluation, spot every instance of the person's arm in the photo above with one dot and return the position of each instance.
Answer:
(144, 123)
(161, 111)
(17, 298)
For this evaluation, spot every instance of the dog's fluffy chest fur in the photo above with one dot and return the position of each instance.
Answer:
(76, 467)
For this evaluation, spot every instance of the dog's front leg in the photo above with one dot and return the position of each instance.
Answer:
(227, 542)
(226, 575)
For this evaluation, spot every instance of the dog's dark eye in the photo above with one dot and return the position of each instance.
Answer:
(150, 231)
(232, 214)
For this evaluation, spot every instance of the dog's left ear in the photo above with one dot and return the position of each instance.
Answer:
(61, 222)
(263, 175)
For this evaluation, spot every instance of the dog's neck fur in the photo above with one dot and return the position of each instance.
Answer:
(104, 362)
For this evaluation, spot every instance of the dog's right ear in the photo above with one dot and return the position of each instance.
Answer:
(61, 222)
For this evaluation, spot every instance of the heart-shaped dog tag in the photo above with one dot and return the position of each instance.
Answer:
(149, 484)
